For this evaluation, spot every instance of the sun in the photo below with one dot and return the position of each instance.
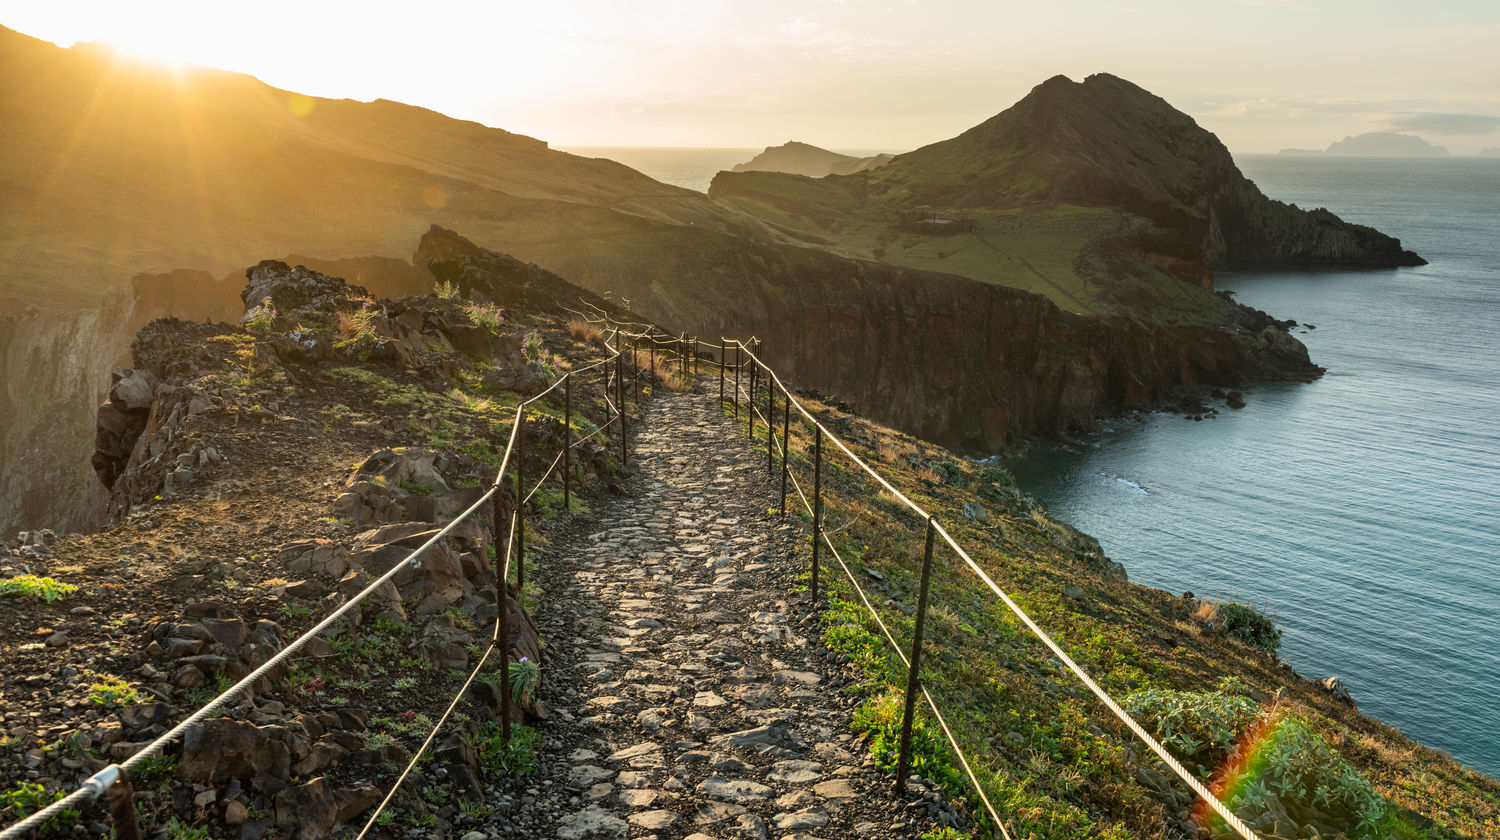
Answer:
(162, 53)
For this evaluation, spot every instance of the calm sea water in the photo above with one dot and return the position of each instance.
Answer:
(1364, 508)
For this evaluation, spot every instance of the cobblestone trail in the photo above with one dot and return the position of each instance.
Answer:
(691, 695)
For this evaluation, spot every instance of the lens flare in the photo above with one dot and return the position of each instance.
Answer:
(299, 104)
(1245, 764)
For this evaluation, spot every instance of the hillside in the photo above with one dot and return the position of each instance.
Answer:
(684, 680)
(117, 170)
(797, 158)
(114, 167)
(1091, 193)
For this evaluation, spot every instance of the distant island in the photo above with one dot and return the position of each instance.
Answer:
(1386, 144)
(796, 158)
(1301, 152)
(1492, 151)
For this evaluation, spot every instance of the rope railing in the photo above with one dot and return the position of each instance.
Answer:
(781, 447)
(494, 642)
(937, 529)
(117, 775)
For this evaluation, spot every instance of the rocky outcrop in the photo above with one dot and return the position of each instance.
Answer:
(797, 158)
(943, 357)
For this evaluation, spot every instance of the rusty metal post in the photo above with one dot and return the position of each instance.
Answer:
(567, 439)
(624, 417)
(502, 602)
(903, 759)
(750, 404)
(651, 378)
(770, 425)
(737, 365)
(817, 506)
(121, 796)
(786, 444)
(697, 358)
(520, 499)
(635, 367)
(723, 354)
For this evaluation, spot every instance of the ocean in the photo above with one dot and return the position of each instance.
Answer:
(1363, 509)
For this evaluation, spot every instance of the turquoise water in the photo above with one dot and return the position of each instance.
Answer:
(1364, 508)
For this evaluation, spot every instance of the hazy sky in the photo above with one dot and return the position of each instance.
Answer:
(882, 74)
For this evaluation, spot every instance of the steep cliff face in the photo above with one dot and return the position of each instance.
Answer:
(943, 357)
(54, 370)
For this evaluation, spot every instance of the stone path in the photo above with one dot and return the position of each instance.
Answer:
(691, 696)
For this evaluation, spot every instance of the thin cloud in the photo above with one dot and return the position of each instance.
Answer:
(1472, 124)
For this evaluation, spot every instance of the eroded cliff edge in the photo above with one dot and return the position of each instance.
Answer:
(944, 357)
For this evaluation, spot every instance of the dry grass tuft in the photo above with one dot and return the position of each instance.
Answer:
(582, 330)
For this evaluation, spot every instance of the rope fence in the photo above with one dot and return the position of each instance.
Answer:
(116, 777)
(773, 384)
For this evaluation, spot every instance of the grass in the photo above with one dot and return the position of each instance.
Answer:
(497, 757)
(584, 331)
(1053, 761)
(27, 798)
(33, 586)
(112, 691)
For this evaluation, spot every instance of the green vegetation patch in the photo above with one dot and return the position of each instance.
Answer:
(27, 798)
(45, 588)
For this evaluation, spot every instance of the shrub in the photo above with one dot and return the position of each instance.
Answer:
(1200, 727)
(259, 317)
(497, 757)
(523, 679)
(45, 588)
(998, 475)
(446, 290)
(1267, 761)
(485, 316)
(951, 473)
(1250, 626)
(534, 350)
(356, 326)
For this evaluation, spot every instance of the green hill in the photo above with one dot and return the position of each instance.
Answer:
(1096, 194)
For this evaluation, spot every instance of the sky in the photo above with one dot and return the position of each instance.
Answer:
(844, 74)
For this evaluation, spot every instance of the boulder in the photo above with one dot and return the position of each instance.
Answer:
(296, 288)
(1335, 687)
(308, 811)
(220, 749)
(443, 643)
(132, 389)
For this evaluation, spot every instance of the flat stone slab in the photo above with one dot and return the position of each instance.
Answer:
(643, 748)
(733, 790)
(796, 772)
(653, 820)
(806, 818)
(592, 823)
(761, 736)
